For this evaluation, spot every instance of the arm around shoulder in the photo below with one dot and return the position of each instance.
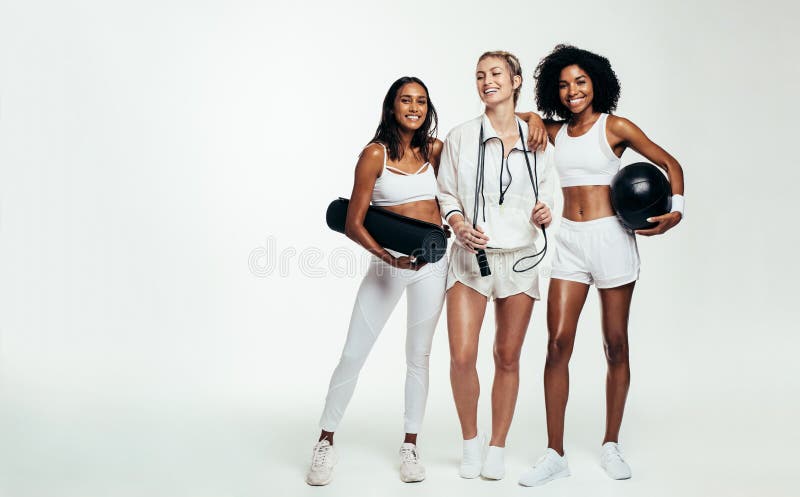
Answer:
(552, 128)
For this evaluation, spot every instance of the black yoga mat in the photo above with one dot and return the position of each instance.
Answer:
(425, 241)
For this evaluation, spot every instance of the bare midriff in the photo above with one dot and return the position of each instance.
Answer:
(424, 210)
(585, 203)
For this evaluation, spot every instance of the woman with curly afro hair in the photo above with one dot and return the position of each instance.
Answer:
(581, 90)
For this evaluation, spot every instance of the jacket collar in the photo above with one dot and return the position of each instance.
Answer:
(489, 132)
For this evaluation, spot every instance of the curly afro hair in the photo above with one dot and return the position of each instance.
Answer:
(548, 72)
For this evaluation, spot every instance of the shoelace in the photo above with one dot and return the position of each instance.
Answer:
(612, 454)
(320, 455)
(408, 455)
(546, 462)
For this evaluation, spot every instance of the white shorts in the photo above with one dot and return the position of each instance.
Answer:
(600, 251)
(503, 282)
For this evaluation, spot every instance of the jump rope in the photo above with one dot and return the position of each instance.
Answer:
(483, 263)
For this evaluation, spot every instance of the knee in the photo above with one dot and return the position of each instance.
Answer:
(462, 362)
(616, 350)
(352, 361)
(559, 350)
(506, 359)
(418, 359)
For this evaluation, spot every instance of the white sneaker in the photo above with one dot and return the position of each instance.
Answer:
(549, 467)
(494, 466)
(611, 460)
(471, 458)
(410, 468)
(322, 462)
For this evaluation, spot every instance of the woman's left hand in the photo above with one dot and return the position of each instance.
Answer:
(541, 215)
(665, 222)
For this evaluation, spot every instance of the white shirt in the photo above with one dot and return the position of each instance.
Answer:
(508, 225)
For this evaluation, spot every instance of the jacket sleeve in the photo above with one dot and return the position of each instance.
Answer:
(547, 180)
(447, 195)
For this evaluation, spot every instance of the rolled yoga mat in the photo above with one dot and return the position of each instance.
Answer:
(425, 241)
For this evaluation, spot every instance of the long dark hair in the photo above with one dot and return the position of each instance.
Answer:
(388, 131)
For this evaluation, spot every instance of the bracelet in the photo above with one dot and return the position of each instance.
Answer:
(677, 204)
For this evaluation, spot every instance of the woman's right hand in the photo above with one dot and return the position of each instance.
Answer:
(406, 262)
(470, 238)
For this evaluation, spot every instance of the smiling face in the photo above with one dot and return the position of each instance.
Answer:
(494, 81)
(411, 106)
(575, 89)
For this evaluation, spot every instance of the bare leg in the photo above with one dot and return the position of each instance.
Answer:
(326, 435)
(564, 304)
(465, 311)
(512, 317)
(616, 305)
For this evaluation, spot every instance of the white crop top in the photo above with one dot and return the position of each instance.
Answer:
(395, 187)
(586, 159)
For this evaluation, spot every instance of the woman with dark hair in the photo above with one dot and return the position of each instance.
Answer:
(495, 193)
(591, 246)
(396, 171)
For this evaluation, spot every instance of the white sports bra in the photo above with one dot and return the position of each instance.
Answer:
(395, 187)
(586, 159)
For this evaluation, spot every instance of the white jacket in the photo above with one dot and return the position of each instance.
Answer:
(509, 225)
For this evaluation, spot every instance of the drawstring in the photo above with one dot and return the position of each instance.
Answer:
(479, 180)
(535, 183)
(510, 178)
(503, 162)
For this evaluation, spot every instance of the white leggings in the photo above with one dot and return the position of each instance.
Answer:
(377, 297)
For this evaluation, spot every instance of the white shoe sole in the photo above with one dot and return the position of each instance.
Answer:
(628, 477)
(490, 476)
(561, 474)
(319, 484)
(613, 477)
(411, 479)
(469, 475)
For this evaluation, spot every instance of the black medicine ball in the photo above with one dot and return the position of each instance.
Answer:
(639, 191)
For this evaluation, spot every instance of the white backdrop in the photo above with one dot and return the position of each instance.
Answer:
(172, 303)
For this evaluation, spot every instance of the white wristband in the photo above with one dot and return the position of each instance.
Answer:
(677, 204)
